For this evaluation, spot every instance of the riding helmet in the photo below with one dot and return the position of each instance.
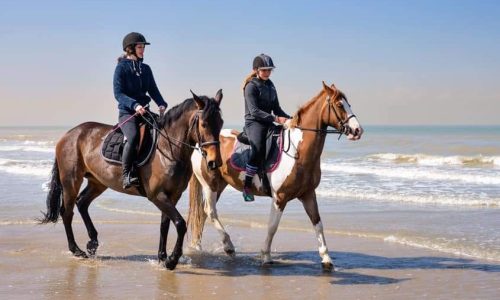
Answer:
(263, 62)
(134, 38)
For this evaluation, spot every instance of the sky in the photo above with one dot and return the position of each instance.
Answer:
(399, 62)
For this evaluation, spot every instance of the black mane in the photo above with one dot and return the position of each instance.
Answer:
(173, 114)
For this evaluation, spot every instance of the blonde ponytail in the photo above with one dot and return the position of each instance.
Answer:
(248, 78)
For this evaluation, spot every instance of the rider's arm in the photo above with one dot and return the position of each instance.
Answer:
(251, 94)
(118, 89)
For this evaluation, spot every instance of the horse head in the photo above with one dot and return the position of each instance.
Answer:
(338, 113)
(207, 123)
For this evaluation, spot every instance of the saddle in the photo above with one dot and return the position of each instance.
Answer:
(274, 148)
(112, 145)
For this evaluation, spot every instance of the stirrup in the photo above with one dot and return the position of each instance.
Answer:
(247, 195)
(129, 181)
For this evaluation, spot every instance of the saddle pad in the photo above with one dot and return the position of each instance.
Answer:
(274, 148)
(112, 146)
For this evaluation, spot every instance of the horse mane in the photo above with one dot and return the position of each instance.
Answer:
(189, 104)
(297, 116)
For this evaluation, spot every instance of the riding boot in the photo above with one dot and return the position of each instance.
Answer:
(247, 188)
(129, 177)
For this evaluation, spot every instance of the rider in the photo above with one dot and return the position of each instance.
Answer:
(132, 80)
(260, 100)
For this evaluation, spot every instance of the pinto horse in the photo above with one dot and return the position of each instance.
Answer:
(196, 121)
(297, 175)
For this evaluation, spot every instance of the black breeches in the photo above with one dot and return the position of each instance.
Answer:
(256, 133)
(131, 131)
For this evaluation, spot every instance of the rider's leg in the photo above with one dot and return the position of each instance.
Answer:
(131, 132)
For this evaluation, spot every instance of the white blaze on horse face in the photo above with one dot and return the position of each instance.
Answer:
(353, 122)
(287, 159)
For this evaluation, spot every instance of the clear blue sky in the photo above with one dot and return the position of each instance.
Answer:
(399, 62)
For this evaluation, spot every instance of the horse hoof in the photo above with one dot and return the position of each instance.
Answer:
(80, 253)
(267, 263)
(92, 247)
(171, 263)
(230, 252)
(162, 257)
(327, 266)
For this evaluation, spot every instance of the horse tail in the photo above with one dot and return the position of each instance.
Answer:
(196, 217)
(54, 197)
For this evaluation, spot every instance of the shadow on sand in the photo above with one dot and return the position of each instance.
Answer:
(307, 264)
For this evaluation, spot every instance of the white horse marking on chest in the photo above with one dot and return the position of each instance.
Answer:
(287, 159)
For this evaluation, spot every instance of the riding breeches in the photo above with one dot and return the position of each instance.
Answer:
(256, 133)
(131, 131)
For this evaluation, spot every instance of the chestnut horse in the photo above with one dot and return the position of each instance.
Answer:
(196, 121)
(297, 175)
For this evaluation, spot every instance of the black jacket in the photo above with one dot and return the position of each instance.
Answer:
(132, 80)
(260, 100)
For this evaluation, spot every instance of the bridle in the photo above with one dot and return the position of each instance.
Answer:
(343, 124)
(195, 121)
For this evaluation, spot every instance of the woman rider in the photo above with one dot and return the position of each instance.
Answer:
(132, 80)
(260, 100)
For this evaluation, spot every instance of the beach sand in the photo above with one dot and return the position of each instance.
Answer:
(35, 263)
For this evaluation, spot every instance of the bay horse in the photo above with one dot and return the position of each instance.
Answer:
(297, 175)
(196, 121)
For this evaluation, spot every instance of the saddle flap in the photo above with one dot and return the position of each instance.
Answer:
(112, 146)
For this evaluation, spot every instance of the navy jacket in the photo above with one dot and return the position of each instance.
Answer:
(260, 100)
(132, 80)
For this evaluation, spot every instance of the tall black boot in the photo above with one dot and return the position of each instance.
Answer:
(129, 177)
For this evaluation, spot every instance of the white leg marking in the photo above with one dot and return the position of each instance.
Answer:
(274, 220)
(210, 200)
(323, 249)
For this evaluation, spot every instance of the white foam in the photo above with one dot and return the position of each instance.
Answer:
(435, 160)
(26, 167)
(413, 173)
(427, 199)
(445, 246)
(27, 148)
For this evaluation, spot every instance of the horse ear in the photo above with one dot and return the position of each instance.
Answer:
(218, 96)
(199, 103)
(327, 88)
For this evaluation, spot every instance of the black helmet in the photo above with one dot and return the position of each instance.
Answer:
(132, 39)
(263, 62)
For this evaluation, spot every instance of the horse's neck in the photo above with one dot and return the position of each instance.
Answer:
(178, 139)
(312, 142)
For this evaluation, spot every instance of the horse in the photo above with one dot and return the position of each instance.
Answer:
(193, 124)
(297, 175)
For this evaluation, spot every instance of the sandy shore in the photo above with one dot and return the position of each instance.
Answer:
(34, 263)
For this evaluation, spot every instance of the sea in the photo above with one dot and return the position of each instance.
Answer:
(432, 187)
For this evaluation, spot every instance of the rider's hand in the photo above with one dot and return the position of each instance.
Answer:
(140, 110)
(162, 110)
(281, 120)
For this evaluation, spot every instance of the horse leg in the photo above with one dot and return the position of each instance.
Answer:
(168, 208)
(91, 191)
(70, 190)
(164, 226)
(311, 207)
(272, 226)
(211, 212)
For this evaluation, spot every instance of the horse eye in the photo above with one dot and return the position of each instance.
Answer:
(204, 125)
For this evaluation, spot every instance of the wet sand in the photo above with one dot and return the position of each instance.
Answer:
(34, 263)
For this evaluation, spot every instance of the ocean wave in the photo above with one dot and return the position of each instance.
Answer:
(27, 148)
(412, 173)
(434, 160)
(128, 211)
(26, 167)
(427, 199)
(445, 246)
